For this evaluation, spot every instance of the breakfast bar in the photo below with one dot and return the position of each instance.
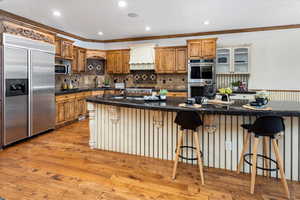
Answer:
(147, 129)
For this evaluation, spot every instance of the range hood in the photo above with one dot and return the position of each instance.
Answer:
(142, 57)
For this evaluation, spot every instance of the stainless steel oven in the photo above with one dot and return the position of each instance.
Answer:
(201, 90)
(201, 71)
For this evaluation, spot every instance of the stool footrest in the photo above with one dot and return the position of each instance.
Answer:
(188, 147)
(264, 157)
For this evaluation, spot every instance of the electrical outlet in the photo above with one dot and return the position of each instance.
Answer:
(228, 145)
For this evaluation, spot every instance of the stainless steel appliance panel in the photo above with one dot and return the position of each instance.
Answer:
(42, 92)
(15, 107)
(15, 63)
(16, 119)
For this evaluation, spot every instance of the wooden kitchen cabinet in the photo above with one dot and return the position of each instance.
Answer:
(70, 106)
(81, 59)
(118, 61)
(75, 60)
(171, 60)
(202, 48)
(58, 47)
(165, 60)
(64, 48)
(181, 60)
(65, 108)
(67, 50)
(95, 54)
(209, 48)
(195, 49)
(125, 61)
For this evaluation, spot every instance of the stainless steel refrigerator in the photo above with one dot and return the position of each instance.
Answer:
(28, 88)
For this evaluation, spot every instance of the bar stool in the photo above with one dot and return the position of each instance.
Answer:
(188, 120)
(266, 127)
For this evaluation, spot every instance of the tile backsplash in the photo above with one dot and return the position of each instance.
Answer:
(78, 80)
(167, 81)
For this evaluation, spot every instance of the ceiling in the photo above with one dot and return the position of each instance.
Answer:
(86, 18)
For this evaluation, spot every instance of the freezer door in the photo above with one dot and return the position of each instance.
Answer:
(42, 93)
(15, 106)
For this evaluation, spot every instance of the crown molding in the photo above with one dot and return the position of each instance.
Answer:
(47, 28)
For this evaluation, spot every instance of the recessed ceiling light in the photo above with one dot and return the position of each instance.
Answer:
(147, 28)
(100, 33)
(122, 4)
(206, 22)
(133, 15)
(56, 13)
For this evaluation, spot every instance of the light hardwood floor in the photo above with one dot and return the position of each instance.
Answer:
(59, 165)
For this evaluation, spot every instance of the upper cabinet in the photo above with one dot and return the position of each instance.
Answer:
(118, 61)
(81, 56)
(79, 60)
(202, 48)
(75, 60)
(165, 60)
(233, 60)
(170, 60)
(63, 48)
(125, 61)
(181, 60)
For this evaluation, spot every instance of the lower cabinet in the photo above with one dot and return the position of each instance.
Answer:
(70, 107)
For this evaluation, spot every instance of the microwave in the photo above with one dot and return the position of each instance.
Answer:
(62, 69)
(201, 71)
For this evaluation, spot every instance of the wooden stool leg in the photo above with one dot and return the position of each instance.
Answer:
(266, 153)
(199, 157)
(254, 160)
(245, 147)
(178, 150)
(279, 161)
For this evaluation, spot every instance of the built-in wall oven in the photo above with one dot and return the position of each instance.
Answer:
(201, 90)
(201, 77)
(201, 71)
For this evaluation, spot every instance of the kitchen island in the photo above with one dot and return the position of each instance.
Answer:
(148, 129)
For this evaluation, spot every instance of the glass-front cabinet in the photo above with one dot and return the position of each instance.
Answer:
(233, 60)
(223, 61)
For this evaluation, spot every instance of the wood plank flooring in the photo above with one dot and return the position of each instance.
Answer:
(59, 165)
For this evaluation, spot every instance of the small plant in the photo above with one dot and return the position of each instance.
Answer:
(163, 92)
(106, 82)
(236, 83)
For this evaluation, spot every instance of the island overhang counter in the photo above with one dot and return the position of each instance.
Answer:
(148, 129)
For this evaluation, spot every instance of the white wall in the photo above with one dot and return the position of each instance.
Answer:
(275, 55)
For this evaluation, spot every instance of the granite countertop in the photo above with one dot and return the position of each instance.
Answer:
(61, 92)
(282, 108)
(71, 91)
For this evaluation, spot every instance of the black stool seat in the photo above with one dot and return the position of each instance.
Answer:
(266, 126)
(188, 120)
(247, 126)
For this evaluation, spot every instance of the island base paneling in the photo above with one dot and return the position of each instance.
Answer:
(153, 133)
